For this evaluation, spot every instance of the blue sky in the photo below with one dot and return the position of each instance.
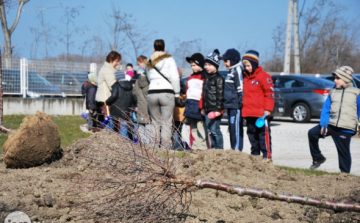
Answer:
(245, 24)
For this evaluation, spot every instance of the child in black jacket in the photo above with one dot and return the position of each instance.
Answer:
(120, 104)
(212, 101)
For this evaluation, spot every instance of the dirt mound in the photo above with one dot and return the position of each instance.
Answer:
(37, 141)
(45, 193)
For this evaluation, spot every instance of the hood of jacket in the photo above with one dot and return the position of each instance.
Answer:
(157, 59)
(126, 85)
(143, 81)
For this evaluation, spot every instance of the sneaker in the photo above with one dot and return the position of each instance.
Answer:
(317, 163)
(269, 161)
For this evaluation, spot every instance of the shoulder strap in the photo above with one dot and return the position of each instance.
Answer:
(159, 72)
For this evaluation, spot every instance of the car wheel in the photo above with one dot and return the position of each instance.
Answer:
(301, 112)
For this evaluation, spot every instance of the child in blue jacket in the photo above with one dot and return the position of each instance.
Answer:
(233, 97)
(339, 118)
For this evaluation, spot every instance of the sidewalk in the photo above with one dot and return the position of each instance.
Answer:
(290, 146)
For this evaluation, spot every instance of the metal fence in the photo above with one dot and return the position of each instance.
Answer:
(42, 78)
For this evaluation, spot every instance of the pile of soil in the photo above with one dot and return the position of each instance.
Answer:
(35, 142)
(44, 192)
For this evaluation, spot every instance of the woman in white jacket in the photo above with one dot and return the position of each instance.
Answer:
(164, 87)
(107, 78)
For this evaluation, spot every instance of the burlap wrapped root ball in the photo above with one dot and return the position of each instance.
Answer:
(37, 141)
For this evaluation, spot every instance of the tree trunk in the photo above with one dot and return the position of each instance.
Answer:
(6, 31)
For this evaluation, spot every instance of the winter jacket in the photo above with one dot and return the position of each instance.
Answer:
(233, 92)
(179, 111)
(194, 87)
(258, 94)
(105, 80)
(213, 93)
(342, 108)
(90, 91)
(120, 100)
(140, 93)
(167, 66)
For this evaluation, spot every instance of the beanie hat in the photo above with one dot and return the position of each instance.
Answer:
(197, 58)
(120, 75)
(92, 77)
(345, 73)
(253, 57)
(213, 58)
(233, 55)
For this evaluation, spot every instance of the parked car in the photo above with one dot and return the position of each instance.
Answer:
(355, 80)
(37, 86)
(279, 100)
(69, 82)
(304, 95)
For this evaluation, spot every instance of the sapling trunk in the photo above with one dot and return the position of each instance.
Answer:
(290, 198)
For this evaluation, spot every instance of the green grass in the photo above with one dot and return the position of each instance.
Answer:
(307, 172)
(68, 127)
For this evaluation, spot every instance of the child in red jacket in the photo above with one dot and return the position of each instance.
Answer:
(258, 100)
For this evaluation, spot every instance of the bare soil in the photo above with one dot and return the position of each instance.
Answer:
(43, 192)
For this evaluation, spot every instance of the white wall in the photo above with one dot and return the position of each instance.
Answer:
(51, 106)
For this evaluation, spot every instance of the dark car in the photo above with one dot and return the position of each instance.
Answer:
(355, 80)
(304, 95)
(37, 86)
(69, 82)
(279, 100)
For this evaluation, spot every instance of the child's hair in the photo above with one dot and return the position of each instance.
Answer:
(113, 55)
(159, 45)
(129, 65)
(141, 58)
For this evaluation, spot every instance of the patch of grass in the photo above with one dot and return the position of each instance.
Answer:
(307, 172)
(68, 127)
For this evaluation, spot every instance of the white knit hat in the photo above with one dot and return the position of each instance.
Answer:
(345, 72)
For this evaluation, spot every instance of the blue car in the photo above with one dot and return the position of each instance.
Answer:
(304, 95)
(355, 80)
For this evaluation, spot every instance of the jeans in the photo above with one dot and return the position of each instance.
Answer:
(161, 109)
(177, 141)
(214, 131)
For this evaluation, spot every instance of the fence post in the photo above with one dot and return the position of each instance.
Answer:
(93, 68)
(23, 76)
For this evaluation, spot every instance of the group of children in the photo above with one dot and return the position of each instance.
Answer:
(246, 92)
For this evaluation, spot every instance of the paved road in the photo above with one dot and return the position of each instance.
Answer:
(291, 148)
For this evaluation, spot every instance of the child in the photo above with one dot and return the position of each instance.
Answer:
(91, 104)
(213, 100)
(258, 99)
(233, 97)
(339, 118)
(120, 104)
(192, 112)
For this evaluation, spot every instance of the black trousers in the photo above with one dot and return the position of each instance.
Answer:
(260, 138)
(341, 140)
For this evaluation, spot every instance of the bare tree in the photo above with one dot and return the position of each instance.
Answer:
(276, 61)
(138, 38)
(71, 29)
(117, 25)
(8, 4)
(184, 49)
(327, 39)
(37, 36)
(142, 183)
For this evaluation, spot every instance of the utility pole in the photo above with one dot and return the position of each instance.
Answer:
(292, 10)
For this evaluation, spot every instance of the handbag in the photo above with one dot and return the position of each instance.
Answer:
(179, 101)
